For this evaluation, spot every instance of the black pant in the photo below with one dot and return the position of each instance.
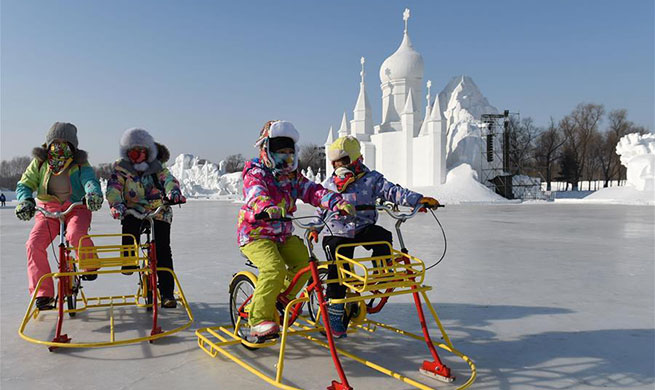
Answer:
(135, 226)
(368, 234)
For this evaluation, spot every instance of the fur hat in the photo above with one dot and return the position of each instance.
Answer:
(138, 137)
(64, 131)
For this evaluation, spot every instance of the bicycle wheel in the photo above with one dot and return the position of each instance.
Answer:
(144, 283)
(313, 306)
(242, 287)
(71, 300)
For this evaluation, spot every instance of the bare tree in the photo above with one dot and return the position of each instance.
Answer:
(523, 134)
(12, 170)
(234, 163)
(313, 156)
(547, 146)
(579, 128)
(103, 170)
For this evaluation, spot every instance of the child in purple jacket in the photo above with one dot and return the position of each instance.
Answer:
(359, 186)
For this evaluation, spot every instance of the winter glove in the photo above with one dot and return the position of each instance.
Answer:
(274, 212)
(118, 211)
(26, 209)
(313, 236)
(93, 201)
(176, 197)
(345, 208)
(428, 202)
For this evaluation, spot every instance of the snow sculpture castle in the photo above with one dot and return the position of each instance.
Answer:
(413, 145)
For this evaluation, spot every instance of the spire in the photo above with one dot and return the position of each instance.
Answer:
(362, 99)
(436, 114)
(406, 18)
(330, 137)
(344, 129)
(410, 107)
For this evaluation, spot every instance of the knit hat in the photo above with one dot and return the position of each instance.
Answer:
(64, 131)
(347, 146)
(138, 137)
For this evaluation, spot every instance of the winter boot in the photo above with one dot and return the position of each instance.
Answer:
(45, 303)
(264, 330)
(336, 312)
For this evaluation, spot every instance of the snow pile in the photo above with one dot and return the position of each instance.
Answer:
(462, 186)
(206, 180)
(637, 153)
(463, 104)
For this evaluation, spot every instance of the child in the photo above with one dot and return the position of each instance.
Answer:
(360, 186)
(140, 181)
(60, 174)
(271, 185)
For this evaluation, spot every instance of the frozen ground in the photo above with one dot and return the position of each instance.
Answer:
(540, 296)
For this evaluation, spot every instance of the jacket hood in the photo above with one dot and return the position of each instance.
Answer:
(140, 137)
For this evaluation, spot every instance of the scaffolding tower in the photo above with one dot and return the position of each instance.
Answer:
(497, 165)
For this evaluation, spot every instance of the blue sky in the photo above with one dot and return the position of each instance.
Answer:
(203, 76)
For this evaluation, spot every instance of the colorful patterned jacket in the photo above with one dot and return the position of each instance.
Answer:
(139, 190)
(261, 189)
(36, 176)
(364, 191)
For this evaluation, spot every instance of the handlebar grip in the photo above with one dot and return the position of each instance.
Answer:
(365, 207)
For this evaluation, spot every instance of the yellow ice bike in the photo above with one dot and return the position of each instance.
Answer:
(371, 281)
(104, 260)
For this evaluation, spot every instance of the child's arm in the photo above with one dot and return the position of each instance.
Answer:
(396, 194)
(171, 185)
(89, 180)
(317, 195)
(115, 186)
(29, 181)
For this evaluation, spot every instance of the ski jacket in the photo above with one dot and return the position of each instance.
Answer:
(262, 189)
(143, 191)
(365, 191)
(37, 175)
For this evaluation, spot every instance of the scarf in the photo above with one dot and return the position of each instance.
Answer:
(343, 176)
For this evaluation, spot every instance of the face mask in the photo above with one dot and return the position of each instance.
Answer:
(60, 156)
(283, 161)
(137, 155)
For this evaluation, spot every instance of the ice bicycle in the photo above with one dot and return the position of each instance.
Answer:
(371, 281)
(104, 260)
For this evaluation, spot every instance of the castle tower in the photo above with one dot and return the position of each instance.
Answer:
(400, 73)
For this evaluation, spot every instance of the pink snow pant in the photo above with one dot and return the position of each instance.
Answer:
(45, 230)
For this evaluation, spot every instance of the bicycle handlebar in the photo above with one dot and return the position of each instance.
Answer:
(58, 214)
(147, 215)
(150, 214)
(263, 216)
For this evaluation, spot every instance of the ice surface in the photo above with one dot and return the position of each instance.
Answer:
(540, 296)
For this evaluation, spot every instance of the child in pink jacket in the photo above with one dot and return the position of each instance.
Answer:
(271, 185)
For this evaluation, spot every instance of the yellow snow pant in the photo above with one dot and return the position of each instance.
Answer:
(276, 262)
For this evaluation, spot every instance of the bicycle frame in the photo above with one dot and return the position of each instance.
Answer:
(111, 258)
(216, 340)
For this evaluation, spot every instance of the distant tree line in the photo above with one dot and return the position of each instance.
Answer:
(573, 149)
(578, 147)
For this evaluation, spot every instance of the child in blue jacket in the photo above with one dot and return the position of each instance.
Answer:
(358, 185)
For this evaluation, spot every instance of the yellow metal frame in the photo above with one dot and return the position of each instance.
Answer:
(370, 278)
(106, 256)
